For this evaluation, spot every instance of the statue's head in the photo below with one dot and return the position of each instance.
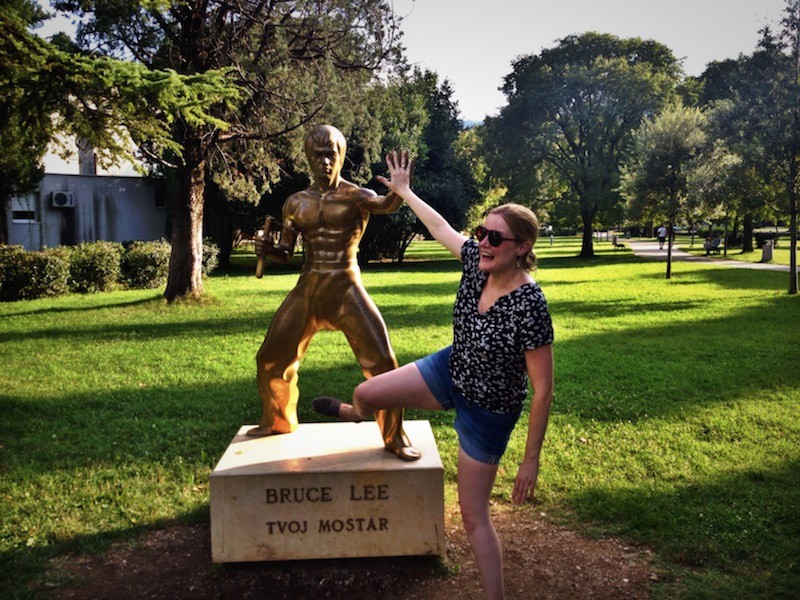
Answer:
(325, 149)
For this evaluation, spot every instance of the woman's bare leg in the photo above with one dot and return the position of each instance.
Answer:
(475, 482)
(401, 387)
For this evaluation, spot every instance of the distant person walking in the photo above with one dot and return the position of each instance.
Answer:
(662, 237)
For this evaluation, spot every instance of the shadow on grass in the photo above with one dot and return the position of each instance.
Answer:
(155, 425)
(611, 308)
(100, 302)
(245, 267)
(578, 262)
(731, 278)
(265, 303)
(147, 331)
(648, 373)
(744, 525)
(666, 370)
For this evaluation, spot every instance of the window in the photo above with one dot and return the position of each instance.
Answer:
(24, 209)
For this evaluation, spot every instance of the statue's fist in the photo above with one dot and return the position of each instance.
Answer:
(261, 243)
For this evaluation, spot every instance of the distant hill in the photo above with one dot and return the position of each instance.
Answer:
(470, 124)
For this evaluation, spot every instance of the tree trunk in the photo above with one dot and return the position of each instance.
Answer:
(747, 233)
(725, 239)
(793, 242)
(186, 260)
(792, 189)
(587, 246)
(4, 206)
(670, 238)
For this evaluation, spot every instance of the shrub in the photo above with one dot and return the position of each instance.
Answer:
(210, 256)
(12, 272)
(88, 267)
(49, 273)
(566, 231)
(762, 236)
(146, 264)
(95, 267)
(29, 275)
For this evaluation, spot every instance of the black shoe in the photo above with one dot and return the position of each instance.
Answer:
(327, 405)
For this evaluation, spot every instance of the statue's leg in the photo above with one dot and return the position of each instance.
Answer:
(366, 332)
(277, 362)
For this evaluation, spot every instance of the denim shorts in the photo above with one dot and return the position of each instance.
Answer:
(482, 434)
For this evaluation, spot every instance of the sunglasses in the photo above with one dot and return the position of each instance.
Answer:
(495, 237)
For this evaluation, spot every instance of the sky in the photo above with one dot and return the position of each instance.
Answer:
(473, 43)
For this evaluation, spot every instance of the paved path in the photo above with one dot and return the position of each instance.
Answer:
(650, 250)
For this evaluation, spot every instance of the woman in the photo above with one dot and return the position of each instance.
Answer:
(502, 335)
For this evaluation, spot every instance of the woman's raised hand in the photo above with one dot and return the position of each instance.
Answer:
(400, 169)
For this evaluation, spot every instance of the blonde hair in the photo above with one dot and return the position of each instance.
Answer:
(524, 226)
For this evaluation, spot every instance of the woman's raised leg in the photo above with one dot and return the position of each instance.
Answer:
(402, 387)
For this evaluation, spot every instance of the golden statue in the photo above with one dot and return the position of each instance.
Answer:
(331, 216)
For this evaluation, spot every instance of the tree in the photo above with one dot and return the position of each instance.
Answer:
(470, 148)
(109, 103)
(287, 56)
(656, 178)
(396, 116)
(23, 136)
(420, 104)
(443, 177)
(574, 107)
(730, 179)
(749, 186)
(765, 115)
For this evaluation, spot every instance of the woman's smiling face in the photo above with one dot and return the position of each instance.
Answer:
(498, 258)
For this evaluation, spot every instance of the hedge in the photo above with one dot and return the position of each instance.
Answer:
(88, 267)
(95, 267)
(27, 275)
(146, 264)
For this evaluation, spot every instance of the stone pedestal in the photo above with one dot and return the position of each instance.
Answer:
(328, 490)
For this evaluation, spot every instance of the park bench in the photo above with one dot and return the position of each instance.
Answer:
(617, 244)
(712, 246)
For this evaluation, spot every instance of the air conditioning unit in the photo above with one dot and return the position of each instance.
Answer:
(63, 200)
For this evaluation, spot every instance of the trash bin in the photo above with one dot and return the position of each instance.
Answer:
(766, 251)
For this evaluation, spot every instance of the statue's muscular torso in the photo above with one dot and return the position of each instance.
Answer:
(331, 222)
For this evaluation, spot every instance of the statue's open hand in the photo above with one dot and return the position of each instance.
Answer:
(400, 169)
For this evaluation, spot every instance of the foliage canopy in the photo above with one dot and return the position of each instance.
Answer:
(572, 110)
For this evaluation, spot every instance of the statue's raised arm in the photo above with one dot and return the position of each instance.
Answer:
(380, 205)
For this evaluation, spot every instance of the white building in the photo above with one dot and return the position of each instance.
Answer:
(77, 202)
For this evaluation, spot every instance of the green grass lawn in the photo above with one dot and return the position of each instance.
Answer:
(676, 421)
